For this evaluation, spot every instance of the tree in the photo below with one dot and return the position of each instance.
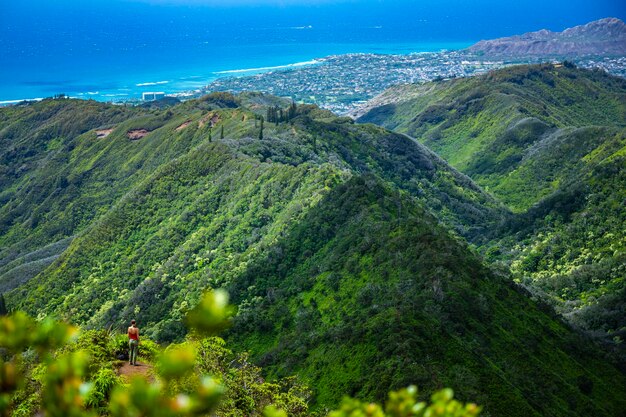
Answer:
(261, 131)
(3, 307)
(277, 115)
(222, 132)
(293, 110)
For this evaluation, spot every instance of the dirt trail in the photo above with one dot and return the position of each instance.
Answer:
(128, 371)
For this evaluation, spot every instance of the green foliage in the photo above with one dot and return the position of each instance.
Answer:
(495, 126)
(221, 99)
(148, 350)
(70, 389)
(9, 383)
(77, 380)
(364, 298)
(548, 141)
(118, 345)
(276, 114)
(212, 313)
(247, 392)
(185, 390)
(19, 331)
(3, 307)
(104, 381)
(261, 129)
(404, 403)
(64, 391)
(176, 362)
(141, 398)
(334, 240)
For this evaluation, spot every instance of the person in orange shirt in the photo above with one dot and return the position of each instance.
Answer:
(133, 342)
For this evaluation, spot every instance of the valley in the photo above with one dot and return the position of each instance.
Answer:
(548, 141)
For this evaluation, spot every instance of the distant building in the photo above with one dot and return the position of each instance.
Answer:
(151, 96)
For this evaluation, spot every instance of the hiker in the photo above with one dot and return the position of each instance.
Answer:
(133, 342)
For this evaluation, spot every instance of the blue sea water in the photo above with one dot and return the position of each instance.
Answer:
(117, 49)
(125, 75)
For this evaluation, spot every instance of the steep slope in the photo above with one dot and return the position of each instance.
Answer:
(384, 297)
(34, 146)
(572, 244)
(495, 127)
(220, 197)
(64, 163)
(548, 141)
(340, 244)
(57, 182)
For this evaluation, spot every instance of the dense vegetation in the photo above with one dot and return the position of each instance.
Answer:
(343, 247)
(549, 141)
(53, 368)
(56, 183)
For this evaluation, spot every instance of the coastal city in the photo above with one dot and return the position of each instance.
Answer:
(342, 83)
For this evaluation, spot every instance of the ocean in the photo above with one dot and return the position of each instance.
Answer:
(123, 76)
(116, 49)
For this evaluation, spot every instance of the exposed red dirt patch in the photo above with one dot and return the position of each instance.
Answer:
(212, 118)
(137, 134)
(184, 125)
(103, 133)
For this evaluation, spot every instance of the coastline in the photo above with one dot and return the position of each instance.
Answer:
(340, 83)
(181, 81)
(251, 71)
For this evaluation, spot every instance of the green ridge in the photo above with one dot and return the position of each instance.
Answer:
(549, 142)
(341, 244)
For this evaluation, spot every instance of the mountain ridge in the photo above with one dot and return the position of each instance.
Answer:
(548, 141)
(46, 182)
(342, 245)
(603, 37)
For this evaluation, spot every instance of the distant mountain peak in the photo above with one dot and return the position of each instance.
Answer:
(601, 37)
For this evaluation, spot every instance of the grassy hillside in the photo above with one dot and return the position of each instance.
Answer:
(501, 127)
(384, 298)
(491, 126)
(548, 141)
(56, 184)
(341, 244)
(181, 205)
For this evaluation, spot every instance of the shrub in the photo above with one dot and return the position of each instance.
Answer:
(148, 350)
(104, 382)
(118, 346)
